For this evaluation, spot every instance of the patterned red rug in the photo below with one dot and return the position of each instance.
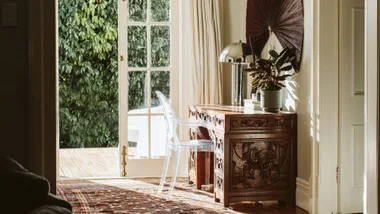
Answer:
(136, 196)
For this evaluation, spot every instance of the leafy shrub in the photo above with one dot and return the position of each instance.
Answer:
(88, 96)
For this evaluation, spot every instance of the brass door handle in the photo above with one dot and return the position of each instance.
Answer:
(124, 162)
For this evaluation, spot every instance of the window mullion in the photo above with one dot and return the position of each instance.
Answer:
(152, 23)
(151, 69)
(148, 73)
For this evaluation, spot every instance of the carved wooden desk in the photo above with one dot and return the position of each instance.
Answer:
(255, 156)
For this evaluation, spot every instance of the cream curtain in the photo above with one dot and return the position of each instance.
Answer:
(204, 47)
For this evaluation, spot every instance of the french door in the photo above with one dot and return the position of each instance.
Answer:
(148, 61)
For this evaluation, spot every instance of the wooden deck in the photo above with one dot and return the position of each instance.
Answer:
(88, 163)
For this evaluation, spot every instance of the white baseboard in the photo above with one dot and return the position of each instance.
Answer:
(303, 199)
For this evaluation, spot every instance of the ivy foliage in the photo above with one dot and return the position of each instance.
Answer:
(88, 96)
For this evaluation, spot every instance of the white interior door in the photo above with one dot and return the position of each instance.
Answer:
(351, 105)
(148, 61)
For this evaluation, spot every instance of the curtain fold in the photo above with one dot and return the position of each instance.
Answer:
(204, 49)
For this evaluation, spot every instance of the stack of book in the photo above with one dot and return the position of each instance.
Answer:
(252, 104)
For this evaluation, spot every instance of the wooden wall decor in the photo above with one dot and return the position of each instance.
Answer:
(284, 18)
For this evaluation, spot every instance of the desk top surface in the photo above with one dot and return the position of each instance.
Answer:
(233, 110)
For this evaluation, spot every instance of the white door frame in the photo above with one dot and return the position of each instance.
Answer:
(371, 107)
(325, 145)
(326, 109)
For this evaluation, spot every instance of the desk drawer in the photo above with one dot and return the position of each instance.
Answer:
(259, 124)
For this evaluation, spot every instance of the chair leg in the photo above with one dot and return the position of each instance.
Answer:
(164, 170)
(175, 172)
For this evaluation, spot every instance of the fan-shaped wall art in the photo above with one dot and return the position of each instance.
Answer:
(284, 18)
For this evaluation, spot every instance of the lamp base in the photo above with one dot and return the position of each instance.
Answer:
(238, 86)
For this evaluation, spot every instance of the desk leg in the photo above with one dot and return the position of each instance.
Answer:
(221, 169)
(209, 167)
(226, 203)
(200, 163)
(226, 159)
(196, 168)
(216, 199)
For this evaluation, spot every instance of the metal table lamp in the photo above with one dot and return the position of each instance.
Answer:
(238, 54)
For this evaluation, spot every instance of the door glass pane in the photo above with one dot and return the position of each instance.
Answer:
(137, 46)
(160, 46)
(138, 137)
(159, 81)
(137, 92)
(158, 136)
(137, 10)
(160, 10)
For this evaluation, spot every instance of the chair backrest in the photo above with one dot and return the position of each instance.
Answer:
(170, 117)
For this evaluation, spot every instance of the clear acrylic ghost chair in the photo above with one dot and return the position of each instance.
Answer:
(176, 145)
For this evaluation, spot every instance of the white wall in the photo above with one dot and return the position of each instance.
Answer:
(298, 94)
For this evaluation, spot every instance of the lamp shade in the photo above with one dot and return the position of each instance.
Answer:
(237, 53)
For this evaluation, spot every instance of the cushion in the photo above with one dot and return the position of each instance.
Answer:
(50, 209)
(21, 190)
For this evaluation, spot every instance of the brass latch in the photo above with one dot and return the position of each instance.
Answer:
(121, 58)
(124, 162)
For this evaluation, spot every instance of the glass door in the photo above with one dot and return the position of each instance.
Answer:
(147, 40)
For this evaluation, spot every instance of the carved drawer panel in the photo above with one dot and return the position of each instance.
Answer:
(260, 164)
(218, 182)
(193, 134)
(193, 160)
(210, 119)
(207, 118)
(243, 123)
(219, 122)
(219, 142)
(219, 163)
(202, 116)
(192, 114)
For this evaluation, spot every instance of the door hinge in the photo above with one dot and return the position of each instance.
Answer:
(121, 58)
(337, 174)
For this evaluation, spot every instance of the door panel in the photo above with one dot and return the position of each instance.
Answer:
(351, 105)
(358, 146)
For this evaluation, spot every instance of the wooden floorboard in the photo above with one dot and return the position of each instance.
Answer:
(61, 172)
(88, 163)
(63, 164)
(81, 161)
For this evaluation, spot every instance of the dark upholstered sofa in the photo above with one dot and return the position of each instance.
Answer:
(24, 192)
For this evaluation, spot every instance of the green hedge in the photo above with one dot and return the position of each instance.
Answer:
(88, 96)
